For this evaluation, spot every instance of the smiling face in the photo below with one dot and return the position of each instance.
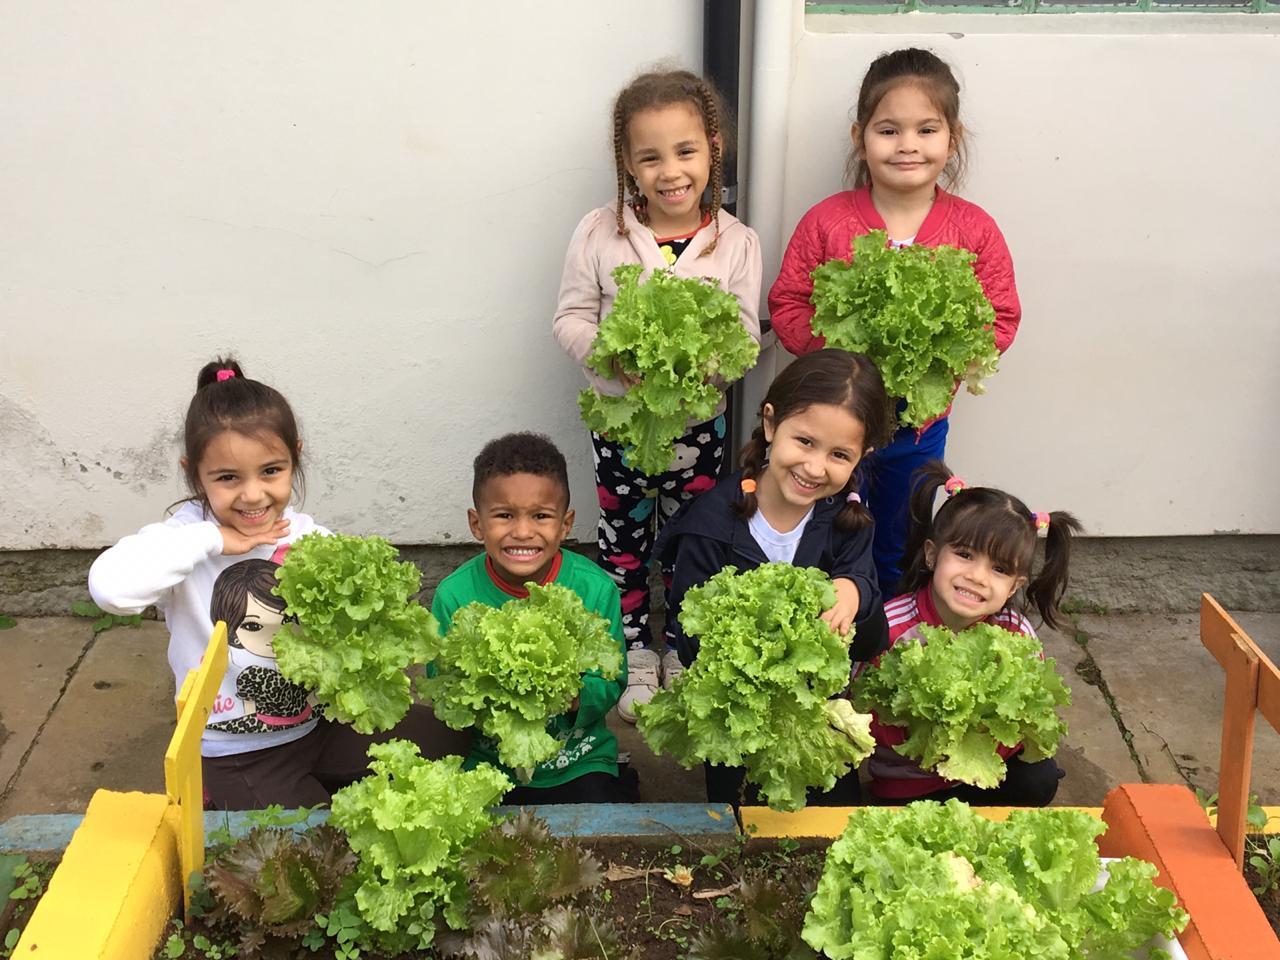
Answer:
(668, 154)
(812, 455)
(967, 585)
(522, 518)
(906, 143)
(247, 480)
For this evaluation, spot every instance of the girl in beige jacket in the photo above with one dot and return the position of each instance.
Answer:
(668, 144)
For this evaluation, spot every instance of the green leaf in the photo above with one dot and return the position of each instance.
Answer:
(509, 670)
(676, 334)
(757, 693)
(6, 622)
(962, 695)
(358, 628)
(409, 823)
(86, 608)
(918, 313)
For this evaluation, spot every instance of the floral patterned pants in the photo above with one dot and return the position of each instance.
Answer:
(633, 507)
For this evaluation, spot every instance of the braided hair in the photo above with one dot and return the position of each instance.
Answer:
(660, 89)
(833, 377)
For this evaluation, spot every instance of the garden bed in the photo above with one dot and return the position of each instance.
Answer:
(23, 881)
(1262, 873)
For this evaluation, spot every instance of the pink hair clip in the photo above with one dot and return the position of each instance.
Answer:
(1041, 520)
(953, 486)
(853, 497)
(226, 373)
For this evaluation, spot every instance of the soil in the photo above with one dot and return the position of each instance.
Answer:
(1269, 900)
(654, 914)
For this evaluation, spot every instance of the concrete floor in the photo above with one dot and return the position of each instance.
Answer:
(82, 712)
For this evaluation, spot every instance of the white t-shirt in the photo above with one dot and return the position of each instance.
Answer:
(176, 565)
(778, 547)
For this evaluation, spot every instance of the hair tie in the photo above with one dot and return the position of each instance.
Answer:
(748, 485)
(953, 485)
(1040, 520)
(226, 373)
(853, 497)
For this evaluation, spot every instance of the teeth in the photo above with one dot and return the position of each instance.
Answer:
(523, 551)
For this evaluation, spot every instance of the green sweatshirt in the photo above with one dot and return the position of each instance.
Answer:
(587, 745)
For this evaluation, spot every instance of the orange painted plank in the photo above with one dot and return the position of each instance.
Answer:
(1164, 824)
(1236, 759)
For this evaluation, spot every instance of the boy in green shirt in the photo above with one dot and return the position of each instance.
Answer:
(522, 514)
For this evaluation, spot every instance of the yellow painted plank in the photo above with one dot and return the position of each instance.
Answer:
(830, 821)
(116, 888)
(183, 782)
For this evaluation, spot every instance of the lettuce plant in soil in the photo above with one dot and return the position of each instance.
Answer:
(918, 313)
(410, 823)
(510, 669)
(960, 695)
(358, 627)
(758, 695)
(679, 336)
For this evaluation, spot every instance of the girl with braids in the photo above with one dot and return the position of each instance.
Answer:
(966, 565)
(907, 144)
(795, 501)
(669, 135)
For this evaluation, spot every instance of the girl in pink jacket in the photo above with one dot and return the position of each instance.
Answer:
(669, 133)
(907, 137)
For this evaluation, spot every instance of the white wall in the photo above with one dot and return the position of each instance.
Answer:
(1133, 171)
(368, 204)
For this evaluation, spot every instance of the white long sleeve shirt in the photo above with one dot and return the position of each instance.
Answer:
(175, 566)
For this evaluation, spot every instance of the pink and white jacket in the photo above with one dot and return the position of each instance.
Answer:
(587, 289)
(827, 232)
(893, 776)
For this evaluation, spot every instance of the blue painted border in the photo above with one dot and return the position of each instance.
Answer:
(50, 833)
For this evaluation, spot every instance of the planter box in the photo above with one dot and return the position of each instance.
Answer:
(119, 881)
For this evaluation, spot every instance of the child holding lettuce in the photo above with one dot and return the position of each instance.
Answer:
(522, 515)
(964, 566)
(669, 133)
(795, 500)
(907, 138)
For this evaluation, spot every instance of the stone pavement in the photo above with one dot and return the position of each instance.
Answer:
(81, 712)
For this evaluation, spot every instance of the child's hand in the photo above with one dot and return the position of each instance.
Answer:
(628, 380)
(235, 543)
(841, 615)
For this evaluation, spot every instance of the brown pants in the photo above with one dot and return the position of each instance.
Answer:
(305, 772)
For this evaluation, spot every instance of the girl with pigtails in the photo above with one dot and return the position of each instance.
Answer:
(669, 138)
(795, 500)
(972, 562)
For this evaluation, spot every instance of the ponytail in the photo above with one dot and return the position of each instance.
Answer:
(926, 482)
(854, 515)
(1049, 586)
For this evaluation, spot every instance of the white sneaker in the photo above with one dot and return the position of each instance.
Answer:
(642, 682)
(671, 668)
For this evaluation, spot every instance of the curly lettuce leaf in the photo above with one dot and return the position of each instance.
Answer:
(961, 696)
(918, 313)
(676, 334)
(757, 694)
(358, 627)
(410, 822)
(508, 670)
(938, 881)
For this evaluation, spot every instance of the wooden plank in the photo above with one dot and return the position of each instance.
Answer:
(1239, 711)
(1216, 629)
(1269, 691)
(183, 782)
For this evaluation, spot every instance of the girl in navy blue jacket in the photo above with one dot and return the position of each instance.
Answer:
(795, 501)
